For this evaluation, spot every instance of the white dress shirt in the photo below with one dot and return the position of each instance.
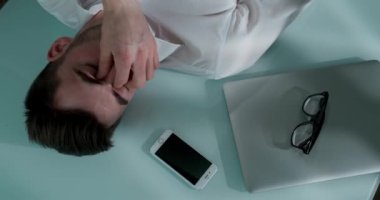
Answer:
(212, 38)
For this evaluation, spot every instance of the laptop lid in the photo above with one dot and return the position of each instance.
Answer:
(264, 111)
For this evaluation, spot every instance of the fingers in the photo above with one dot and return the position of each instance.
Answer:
(110, 76)
(105, 63)
(117, 67)
(150, 69)
(156, 59)
(142, 69)
(122, 67)
(153, 65)
(139, 71)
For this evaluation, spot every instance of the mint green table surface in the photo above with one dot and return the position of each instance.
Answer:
(327, 32)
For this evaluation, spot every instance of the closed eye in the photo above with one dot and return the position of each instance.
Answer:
(88, 79)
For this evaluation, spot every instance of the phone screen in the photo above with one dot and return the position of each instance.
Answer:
(183, 158)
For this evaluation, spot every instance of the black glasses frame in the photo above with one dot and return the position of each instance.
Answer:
(315, 120)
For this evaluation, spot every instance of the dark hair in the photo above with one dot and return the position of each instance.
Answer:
(74, 132)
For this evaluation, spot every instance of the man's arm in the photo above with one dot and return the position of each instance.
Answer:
(126, 45)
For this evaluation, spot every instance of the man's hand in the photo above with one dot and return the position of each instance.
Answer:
(126, 45)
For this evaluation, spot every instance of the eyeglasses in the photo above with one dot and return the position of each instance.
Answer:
(306, 133)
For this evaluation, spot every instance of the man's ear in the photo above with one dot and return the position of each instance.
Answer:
(58, 48)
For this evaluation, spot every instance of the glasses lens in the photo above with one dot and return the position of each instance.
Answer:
(312, 104)
(302, 133)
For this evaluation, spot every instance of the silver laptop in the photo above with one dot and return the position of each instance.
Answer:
(265, 110)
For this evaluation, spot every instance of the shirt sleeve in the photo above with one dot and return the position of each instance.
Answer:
(75, 13)
(87, 4)
(254, 26)
(72, 13)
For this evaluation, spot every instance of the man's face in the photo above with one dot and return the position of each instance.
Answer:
(79, 88)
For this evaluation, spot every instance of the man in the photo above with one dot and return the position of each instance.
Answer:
(75, 103)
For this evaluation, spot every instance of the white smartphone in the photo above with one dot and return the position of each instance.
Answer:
(183, 160)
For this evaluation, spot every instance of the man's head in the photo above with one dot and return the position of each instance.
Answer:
(67, 108)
